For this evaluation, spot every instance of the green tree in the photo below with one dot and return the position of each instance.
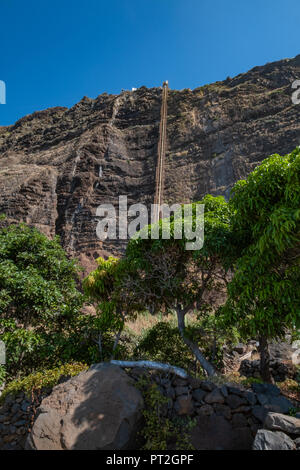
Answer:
(162, 275)
(264, 298)
(106, 288)
(37, 280)
(38, 295)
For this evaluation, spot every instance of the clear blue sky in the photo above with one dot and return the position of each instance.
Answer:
(55, 52)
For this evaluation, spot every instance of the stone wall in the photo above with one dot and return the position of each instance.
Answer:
(227, 416)
(16, 418)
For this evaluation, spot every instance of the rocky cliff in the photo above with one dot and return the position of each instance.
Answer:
(58, 165)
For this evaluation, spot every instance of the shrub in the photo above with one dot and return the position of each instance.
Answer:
(39, 301)
(41, 380)
(163, 343)
(160, 431)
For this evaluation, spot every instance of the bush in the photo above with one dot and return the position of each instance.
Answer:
(163, 343)
(41, 380)
(37, 280)
(40, 321)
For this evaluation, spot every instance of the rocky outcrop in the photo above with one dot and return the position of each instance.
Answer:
(58, 165)
(99, 409)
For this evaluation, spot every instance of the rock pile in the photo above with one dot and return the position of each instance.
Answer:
(280, 432)
(279, 370)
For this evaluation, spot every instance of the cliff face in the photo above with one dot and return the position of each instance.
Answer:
(50, 160)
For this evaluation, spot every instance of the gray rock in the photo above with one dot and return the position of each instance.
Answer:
(297, 442)
(205, 410)
(242, 409)
(224, 391)
(269, 440)
(181, 391)
(198, 395)
(235, 391)
(214, 397)
(177, 382)
(22, 422)
(207, 385)
(183, 405)
(297, 415)
(25, 406)
(99, 409)
(251, 397)
(280, 422)
(234, 401)
(222, 410)
(260, 413)
(269, 389)
(15, 408)
(262, 399)
(279, 404)
(194, 382)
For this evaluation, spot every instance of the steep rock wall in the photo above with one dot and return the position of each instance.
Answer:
(50, 160)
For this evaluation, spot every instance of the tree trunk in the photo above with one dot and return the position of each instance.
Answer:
(116, 342)
(193, 346)
(265, 360)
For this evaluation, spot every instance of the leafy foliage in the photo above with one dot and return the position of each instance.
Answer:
(40, 380)
(37, 281)
(40, 321)
(159, 431)
(264, 295)
(161, 274)
(163, 343)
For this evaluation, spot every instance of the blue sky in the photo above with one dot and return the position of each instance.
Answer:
(55, 52)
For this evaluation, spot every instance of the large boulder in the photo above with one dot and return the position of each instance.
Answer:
(99, 409)
(269, 440)
(280, 422)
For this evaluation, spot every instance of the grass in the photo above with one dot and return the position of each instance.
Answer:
(146, 321)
